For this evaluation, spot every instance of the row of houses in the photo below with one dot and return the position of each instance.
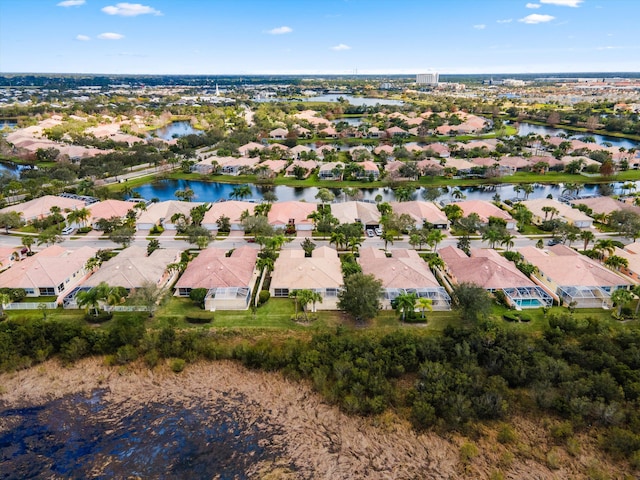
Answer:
(561, 274)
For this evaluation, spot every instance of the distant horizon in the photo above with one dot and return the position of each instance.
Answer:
(286, 74)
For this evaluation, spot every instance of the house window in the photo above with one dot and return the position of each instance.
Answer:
(281, 292)
(184, 292)
(61, 287)
(30, 291)
(47, 291)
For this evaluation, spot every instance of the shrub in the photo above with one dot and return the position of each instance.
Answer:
(126, 354)
(511, 317)
(156, 230)
(561, 431)
(197, 296)
(100, 318)
(151, 358)
(506, 434)
(525, 317)
(199, 317)
(263, 296)
(84, 230)
(177, 365)
(468, 451)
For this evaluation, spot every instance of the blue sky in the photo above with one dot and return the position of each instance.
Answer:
(318, 37)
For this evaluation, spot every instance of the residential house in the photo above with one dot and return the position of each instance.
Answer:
(430, 166)
(331, 171)
(132, 268)
(50, 272)
(396, 132)
(292, 213)
(370, 170)
(279, 133)
(273, 166)
(386, 149)
(491, 271)
(632, 255)
(484, 210)
(235, 210)
(107, 209)
(161, 213)
(573, 278)
(40, 207)
(10, 255)
(604, 205)
(572, 216)
(296, 151)
(404, 272)
(236, 166)
(424, 214)
(229, 280)
(351, 212)
(322, 273)
(439, 149)
(308, 165)
(246, 149)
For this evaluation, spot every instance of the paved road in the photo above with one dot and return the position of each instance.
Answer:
(233, 242)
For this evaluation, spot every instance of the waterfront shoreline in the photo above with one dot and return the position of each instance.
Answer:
(315, 438)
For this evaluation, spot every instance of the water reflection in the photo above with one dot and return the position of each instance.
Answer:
(526, 128)
(214, 191)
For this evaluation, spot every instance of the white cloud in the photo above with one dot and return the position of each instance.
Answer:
(533, 5)
(83, 38)
(506, 20)
(536, 18)
(71, 3)
(130, 10)
(280, 30)
(563, 3)
(480, 26)
(341, 47)
(110, 36)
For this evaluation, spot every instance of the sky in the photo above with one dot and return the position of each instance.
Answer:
(314, 37)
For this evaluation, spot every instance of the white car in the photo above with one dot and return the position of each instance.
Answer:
(370, 233)
(67, 230)
(378, 231)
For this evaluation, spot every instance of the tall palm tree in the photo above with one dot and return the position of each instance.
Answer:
(353, 243)
(388, 236)
(587, 237)
(405, 302)
(434, 238)
(615, 262)
(492, 236)
(636, 291)
(424, 303)
(508, 241)
(91, 298)
(337, 238)
(620, 298)
(605, 245)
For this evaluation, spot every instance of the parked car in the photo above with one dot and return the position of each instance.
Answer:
(553, 241)
(370, 233)
(67, 230)
(378, 231)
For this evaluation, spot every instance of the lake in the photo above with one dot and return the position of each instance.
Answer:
(79, 436)
(175, 130)
(526, 128)
(214, 191)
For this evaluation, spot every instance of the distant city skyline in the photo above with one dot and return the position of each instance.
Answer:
(333, 37)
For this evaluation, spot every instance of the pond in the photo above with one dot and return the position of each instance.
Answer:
(526, 128)
(174, 130)
(215, 191)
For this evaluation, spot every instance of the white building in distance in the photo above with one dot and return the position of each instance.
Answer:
(427, 78)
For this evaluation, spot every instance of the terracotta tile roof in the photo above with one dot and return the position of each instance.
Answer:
(484, 210)
(293, 271)
(405, 269)
(212, 269)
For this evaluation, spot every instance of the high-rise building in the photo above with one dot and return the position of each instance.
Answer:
(427, 78)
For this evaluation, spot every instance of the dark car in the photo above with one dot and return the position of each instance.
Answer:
(553, 241)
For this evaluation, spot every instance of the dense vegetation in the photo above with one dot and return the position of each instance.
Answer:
(580, 371)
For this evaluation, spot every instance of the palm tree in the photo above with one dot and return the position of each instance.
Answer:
(492, 236)
(435, 261)
(434, 238)
(458, 195)
(615, 262)
(337, 238)
(405, 302)
(240, 192)
(27, 241)
(636, 291)
(265, 263)
(388, 236)
(527, 189)
(82, 215)
(546, 209)
(507, 240)
(605, 245)
(305, 297)
(93, 297)
(5, 299)
(353, 244)
(294, 294)
(424, 303)
(587, 237)
(620, 298)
